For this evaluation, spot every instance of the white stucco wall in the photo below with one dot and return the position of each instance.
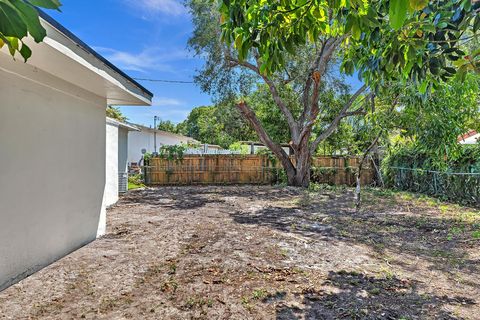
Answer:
(52, 169)
(116, 160)
(145, 140)
(123, 134)
(471, 140)
(258, 148)
(111, 168)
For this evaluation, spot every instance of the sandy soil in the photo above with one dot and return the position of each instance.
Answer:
(261, 252)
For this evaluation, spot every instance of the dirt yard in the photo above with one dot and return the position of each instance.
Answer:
(256, 252)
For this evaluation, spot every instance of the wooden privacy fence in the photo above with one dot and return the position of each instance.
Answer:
(248, 169)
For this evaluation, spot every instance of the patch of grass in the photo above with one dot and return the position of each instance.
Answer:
(305, 200)
(170, 285)
(172, 267)
(259, 294)
(133, 186)
(198, 302)
(284, 252)
(375, 291)
(455, 231)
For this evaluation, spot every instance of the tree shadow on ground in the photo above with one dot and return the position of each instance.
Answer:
(384, 227)
(357, 296)
(174, 197)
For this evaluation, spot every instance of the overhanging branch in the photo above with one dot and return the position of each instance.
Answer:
(342, 114)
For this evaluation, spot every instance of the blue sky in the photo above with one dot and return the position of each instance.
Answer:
(146, 39)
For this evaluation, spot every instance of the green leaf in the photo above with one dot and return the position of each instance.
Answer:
(418, 4)
(30, 17)
(26, 52)
(11, 23)
(239, 41)
(12, 45)
(423, 87)
(398, 13)
(476, 24)
(356, 31)
(47, 4)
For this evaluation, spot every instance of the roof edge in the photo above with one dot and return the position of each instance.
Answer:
(117, 123)
(54, 23)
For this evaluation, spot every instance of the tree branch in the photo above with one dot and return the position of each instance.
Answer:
(360, 167)
(275, 94)
(331, 128)
(263, 135)
(316, 73)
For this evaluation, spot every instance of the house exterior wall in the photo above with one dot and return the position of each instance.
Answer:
(258, 148)
(111, 168)
(145, 140)
(123, 134)
(471, 140)
(52, 169)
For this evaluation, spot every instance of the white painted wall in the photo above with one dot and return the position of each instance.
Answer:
(471, 140)
(111, 168)
(145, 140)
(52, 169)
(258, 148)
(123, 134)
(116, 159)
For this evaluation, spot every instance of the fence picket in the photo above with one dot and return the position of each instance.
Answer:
(247, 169)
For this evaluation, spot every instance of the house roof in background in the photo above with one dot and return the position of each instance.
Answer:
(55, 24)
(120, 124)
(148, 129)
(256, 143)
(467, 135)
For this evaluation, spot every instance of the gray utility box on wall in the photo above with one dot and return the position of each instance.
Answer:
(122, 182)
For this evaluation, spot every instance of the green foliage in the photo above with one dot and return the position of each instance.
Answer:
(408, 167)
(135, 182)
(432, 125)
(116, 114)
(220, 124)
(388, 39)
(279, 174)
(242, 148)
(410, 155)
(168, 126)
(18, 19)
(171, 153)
(146, 157)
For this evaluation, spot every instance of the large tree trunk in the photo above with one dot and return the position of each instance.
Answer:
(303, 164)
(299, 174)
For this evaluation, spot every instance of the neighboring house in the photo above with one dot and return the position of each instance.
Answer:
(145, 140)
(52, 142)
(116, 159)
(254, 147)
(471, 137)
(206, 148)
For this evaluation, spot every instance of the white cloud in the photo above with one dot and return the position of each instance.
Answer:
(144, 61)
(167, 7)
(167, 102)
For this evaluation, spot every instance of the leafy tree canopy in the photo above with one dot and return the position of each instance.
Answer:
(167, 125)
(433, 125)
(18, 19)
(116, 114)
(415, 40)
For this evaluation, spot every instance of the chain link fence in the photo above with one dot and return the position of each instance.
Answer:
(459, 187)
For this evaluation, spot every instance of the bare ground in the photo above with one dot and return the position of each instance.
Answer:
(259, 252)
